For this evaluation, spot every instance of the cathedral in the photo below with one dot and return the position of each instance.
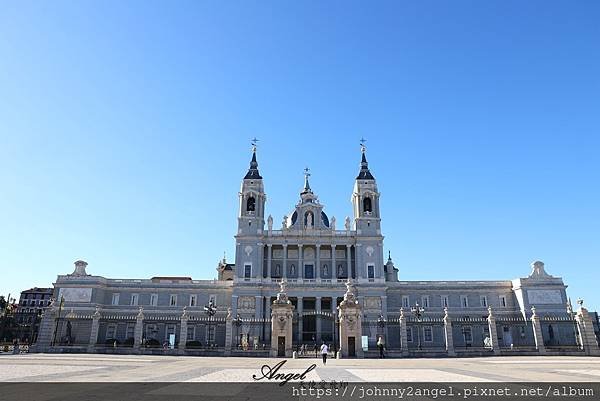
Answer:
(305, 280)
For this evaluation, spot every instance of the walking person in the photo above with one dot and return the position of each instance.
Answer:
(316, 348)
(381, 345)
(324, 352)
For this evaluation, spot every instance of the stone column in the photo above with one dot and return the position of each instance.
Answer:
(333, 263)
(318, 261)
(139, 329)
(228, 332)
(319, 318)
(94, 332)
(403, 337)
(281, 323)
(349, 260)
(300, 325)
(183, 331)
(587, 337)
(493, 332)
(284, 261)
(537, 332)
(300, 271)
(269, 259)
(350, 314)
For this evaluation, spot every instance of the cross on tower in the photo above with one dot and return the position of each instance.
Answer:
(253, 142)
(362, 144)
(306, 172)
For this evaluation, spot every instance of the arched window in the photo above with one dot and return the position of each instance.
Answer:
(250, 204)
(367, 207)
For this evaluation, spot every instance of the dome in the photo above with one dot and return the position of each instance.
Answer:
(324, 219)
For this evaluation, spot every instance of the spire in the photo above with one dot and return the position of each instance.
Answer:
(253, 170)
(306, 188)
(364, 173)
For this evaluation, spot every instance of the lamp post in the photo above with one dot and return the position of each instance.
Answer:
(418, 312)
(210, 310)
(60, 306)
(336, 321)
(237, 322)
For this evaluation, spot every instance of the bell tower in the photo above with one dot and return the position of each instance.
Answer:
(367, 224)
(251, 222)
(365, 199)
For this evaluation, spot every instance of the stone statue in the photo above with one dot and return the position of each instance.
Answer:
(347, 224)
(325, 270)
(333, 223)
(278, 270)
(292, 270)
(270, 223)
(340, 271)
(283, 287)
(229, 313)
(284, 222)
(309, 220)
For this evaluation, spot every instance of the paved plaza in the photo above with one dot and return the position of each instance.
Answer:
(134, 368)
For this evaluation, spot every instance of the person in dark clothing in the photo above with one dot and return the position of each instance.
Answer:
(381, 346)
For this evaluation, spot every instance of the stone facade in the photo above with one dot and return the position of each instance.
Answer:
(319, 263)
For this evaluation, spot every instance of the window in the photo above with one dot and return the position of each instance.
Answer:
(134, 299)
(173, 300)
(483, 301)
(210, 333)
(247, 271)
(151, 331)
(409, 334)
(170, 330)
(468, 335)
(405, 301)
(129, 332)
(464, 301)
(428, 334)
(192, 300)
(425, 301)
(111, 331)
(153, 299)
(250, 204)
(309, 271)
(191, 333)
(371, 271)
(115, 299)
(503, 301)
(445, 301)
(367, 206)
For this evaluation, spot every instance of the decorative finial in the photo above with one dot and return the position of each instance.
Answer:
(389, 255)
(254, 143)
(363, 148)
(306, 184)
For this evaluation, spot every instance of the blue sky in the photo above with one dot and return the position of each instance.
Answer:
(125, 131)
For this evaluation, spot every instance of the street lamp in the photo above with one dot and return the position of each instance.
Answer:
(60, 306)
(237, 322)
(418, 311)
(210, 310)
